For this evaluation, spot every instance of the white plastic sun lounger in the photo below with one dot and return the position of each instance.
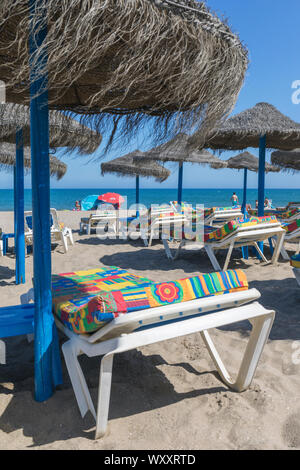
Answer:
(243, 236)
(145, 327)
(290, 237)
(157, 224)
(95, 220)
(223, 216)
(57, 233)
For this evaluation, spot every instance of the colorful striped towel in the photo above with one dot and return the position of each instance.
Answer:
(85, 301)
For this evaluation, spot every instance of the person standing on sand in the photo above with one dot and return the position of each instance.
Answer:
(234, 199)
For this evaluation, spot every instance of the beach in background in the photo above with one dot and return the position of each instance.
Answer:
(64, 199)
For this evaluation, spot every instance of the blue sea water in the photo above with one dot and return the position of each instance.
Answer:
(65, 198)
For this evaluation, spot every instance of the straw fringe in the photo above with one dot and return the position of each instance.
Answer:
(8, 160)
(169, 63)
(287, 161)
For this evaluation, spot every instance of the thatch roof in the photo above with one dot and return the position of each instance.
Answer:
(176, 150)
(287, 160)
(63, 131)
(8, 160)
(129, 165)
(249, 161)
(244, 130)
(171, 61)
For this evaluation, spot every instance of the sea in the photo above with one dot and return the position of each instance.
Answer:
(64, 199)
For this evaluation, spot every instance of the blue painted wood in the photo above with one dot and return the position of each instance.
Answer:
(261, 181)
(16, 320)
(46, 350)
(244, 192)
(180, 178)
(137, 193)
(19, 210)
(261, 175)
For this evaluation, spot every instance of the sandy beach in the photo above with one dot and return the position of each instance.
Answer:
(167, 395)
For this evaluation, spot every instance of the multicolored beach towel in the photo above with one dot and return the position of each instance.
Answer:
(292, 226)
(86, 300)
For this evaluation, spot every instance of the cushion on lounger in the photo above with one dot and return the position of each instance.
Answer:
(292, 226)
(295, 261)
(83, 310)
(221, 232)
(290, 213)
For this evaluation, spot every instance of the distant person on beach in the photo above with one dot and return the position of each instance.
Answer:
(256, 204)
(234, 199)
(77, 206)
(267, 204)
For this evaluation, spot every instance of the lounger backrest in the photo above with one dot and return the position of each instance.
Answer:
(28, 221)
(289, 228)
(222, 232)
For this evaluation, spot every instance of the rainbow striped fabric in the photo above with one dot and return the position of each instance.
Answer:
(85, 301)
(292, 226)
(278, 213)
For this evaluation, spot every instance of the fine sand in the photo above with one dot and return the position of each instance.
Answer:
(167, 395)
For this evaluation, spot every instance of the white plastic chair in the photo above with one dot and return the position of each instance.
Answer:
(57, 233)
(145, 327)
(95, 220)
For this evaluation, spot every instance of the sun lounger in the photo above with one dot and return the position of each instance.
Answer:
(213, 215)
(235, 234)
(282, 215)
(58, 231)
(292, 234)
(127, 312)
(100, 219)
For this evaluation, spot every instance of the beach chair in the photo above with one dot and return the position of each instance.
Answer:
(235, 234)
(120, 319)
(292, 234)
(102, 218)
(57, 230)
(151, 228)
(221, 214)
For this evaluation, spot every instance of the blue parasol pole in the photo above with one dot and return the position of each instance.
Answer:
(180, 177)
(46, 349)
(19, 209)
(137, 192)
(261, 180)
(244, 192)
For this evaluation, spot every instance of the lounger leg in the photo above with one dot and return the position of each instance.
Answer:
(212, 258)
(2, 352)
(284, 254)
(228, 256)
(278, 247)
(64, 242)
(260, 252)
(88, 229)
(298, 249)
(258, 337)
(80, 387)
(104, 395)
(71, 236)
(167, 248)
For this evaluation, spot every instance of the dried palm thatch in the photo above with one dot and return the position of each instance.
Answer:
(287, 160)
(249, 161)
(8, 160)
(130, 165)
(172, 62)
(63, 131)
(244, 130)
(176, 150)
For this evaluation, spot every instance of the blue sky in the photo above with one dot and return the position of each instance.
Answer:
(270, 30)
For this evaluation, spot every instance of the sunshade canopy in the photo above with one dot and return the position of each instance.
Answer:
(8, 160)
(63, 131)
(173, 60)
(287, 160)
(245, 129)
(130, 165)
(250, 162)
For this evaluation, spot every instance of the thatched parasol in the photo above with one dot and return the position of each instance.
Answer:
(247, 161)
(129, 165)
(287, 160)
(262, 126)
(176, 150)
(8, 160)
(245, 129)
(63, 131)
(172, 60)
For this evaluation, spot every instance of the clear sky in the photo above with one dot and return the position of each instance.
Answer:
(270, 30)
